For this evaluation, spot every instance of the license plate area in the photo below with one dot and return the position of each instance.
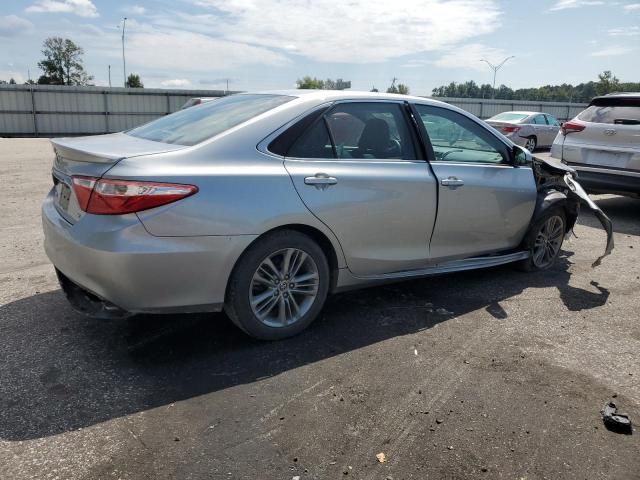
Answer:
(607, 159)
(63, 194)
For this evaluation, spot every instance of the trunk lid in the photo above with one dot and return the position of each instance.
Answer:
(93, 156)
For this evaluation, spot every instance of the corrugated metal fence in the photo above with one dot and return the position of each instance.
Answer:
(51, 110)
(48, 110)
(487, 108)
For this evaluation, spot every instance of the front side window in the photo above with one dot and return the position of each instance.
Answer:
(358, 130)
(553, 121)
(196, 124)
(456, 138)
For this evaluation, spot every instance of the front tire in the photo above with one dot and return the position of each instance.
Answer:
(279, 286)
(544, 240)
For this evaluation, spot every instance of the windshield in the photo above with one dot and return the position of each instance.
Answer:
(509, 117)
(196, 124)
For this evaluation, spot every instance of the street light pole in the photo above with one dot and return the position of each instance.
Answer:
(124, 63)
(495, 69)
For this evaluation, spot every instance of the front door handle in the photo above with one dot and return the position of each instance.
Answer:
(452, 182)
(321, 181)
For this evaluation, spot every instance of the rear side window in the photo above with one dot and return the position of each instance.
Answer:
(196, 124)
(611, 114)
(539, 120)
(315, 142)
(357, 130)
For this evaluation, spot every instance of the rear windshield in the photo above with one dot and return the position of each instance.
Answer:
(613, 115)
(196, 124)
(509, 117)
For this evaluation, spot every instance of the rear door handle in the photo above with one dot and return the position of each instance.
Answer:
(321, 181)
(452, 182)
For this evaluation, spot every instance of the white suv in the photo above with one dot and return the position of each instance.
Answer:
(603, 144)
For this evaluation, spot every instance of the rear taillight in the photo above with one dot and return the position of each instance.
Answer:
(571, 127)
(117, 197)
(510, 129)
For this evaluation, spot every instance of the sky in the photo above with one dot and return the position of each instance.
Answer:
(268, 44)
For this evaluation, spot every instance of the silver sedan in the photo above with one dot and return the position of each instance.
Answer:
(262, 204)
(527, 129)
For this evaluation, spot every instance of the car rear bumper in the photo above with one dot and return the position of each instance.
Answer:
(115, 259)
(605, 180)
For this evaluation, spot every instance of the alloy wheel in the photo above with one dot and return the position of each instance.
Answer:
(531, 144)
(548, 242)
(284, 287)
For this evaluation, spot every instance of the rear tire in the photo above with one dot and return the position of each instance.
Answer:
(544, 240)
(279, 286)
(531, 143)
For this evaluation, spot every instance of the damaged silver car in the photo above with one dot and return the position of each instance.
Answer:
(262, 204)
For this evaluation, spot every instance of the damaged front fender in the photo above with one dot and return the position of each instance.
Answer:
(552, 174)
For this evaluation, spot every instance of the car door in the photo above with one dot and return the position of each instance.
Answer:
(554, 128)
(543, 130)
(356, 168)
(485, 203)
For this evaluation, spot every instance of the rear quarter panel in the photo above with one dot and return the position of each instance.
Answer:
(241, 191)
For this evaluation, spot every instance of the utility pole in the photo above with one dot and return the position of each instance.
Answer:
(124, 63)
(226, 92)
(495, 69)
(29, 74)
(109, 76)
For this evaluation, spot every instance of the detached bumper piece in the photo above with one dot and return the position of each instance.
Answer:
(87, 303)
(614, 421)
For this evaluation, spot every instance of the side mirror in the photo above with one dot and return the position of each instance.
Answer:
(520, 156)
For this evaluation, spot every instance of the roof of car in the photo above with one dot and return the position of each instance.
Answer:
(521, 113)
(345, 94)
(623, 94)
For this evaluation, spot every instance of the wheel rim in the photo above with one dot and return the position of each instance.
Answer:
(284, 287)
(548, 242)
(531, 144)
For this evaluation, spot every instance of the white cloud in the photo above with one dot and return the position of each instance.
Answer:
(632, 6)
(624, 32)
(134, 10)
(565, 4)
(8, 74)
(176, 83)
(174, 50)
(612, 51)
(355, 31)
(12, 25)
(82, 8)
(469, 56)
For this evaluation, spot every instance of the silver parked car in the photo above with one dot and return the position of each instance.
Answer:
(527, 129)
(263, 204)
(603, 144)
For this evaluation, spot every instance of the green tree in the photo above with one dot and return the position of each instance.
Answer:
(12, 81)
(134, 81)
(608, 83)
(62, 63)
(308, 83)
(400, 88)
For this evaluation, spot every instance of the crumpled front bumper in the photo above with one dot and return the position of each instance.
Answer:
(576, 189)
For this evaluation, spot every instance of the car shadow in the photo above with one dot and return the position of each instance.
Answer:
(623, 211)
(61, 371)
